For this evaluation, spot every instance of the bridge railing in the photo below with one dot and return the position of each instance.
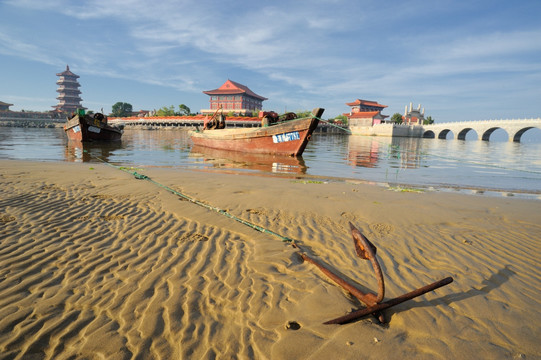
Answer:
(484, 121)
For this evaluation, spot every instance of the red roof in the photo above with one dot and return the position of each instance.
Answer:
(232, 88)
(67, 72)
(366, 102)
(363, 115)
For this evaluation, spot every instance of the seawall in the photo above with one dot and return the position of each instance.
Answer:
(392, 130)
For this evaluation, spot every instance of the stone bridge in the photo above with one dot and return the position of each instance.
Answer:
(484, 128)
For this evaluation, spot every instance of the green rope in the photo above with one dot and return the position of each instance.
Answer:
(320, 119)
(336, 126)
(197, 202)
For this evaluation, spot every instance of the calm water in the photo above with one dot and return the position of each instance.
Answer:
(471, 166)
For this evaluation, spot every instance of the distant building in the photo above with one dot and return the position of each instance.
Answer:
(365, 113)
(69, 99)
(141, 113)
(4, 106)
(413, 116)
(234, 97)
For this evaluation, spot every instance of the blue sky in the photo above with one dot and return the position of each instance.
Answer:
(462, 60)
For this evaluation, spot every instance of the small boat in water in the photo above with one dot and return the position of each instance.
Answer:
(91, 127)
(280, 135)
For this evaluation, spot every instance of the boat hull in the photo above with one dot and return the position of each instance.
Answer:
(81, 128)
(287, 138)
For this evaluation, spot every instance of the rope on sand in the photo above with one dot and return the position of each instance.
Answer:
(197, 202)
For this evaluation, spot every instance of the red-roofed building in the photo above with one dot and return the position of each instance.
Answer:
(234, 97)
(365, 113)
(4, 106)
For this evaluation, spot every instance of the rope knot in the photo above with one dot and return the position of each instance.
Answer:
(140, 176)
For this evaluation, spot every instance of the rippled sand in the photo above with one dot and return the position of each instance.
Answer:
(97, 264)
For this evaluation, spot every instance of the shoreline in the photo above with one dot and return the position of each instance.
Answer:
(95, 262)
(392, 186)
(470, 190)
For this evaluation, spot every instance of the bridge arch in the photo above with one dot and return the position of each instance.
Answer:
(488, 132)
(518, 135)
(443, 134)
(429, 134)
(462, 134)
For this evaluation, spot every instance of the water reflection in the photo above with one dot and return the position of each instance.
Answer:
(426, 162)
(363, 152)
(369, 152)
(77, 151)
(248, 161)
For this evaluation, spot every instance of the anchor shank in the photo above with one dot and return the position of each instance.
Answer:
(367, 299)
(387, 304)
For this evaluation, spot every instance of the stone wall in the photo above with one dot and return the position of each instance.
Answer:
(392, 130)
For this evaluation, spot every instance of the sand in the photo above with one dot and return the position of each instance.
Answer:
(96, 264)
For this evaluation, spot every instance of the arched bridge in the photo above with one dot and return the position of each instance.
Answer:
(484, 128)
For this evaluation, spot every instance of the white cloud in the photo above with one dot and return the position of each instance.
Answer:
(15, 47)
(489, 45)
(329, 50)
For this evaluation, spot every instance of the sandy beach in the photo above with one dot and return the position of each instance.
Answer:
(97, 264)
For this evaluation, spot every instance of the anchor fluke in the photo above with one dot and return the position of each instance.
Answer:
(364, 248)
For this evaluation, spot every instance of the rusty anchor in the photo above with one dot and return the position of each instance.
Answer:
(367, 251)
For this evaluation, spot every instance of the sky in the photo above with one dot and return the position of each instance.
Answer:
(461, 60)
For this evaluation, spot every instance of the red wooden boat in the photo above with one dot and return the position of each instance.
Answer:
(86, 127)
(279, 136)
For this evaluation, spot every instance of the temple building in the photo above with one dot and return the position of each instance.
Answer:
(4, 106)
(365, 113)
(413, 116)
(69, 99)
(234, 97)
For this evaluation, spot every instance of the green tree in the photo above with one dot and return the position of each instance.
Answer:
(166, 111)
(184, 110)
(342, 118)
(121, 109)
(303, 113)
(428, 120)
(396, 118)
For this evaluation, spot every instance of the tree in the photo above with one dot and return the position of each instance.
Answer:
(303, 113)
(166, 111)
(428, 121)
(342, 119)
(396, 118)
(121, 109)
(184, 110)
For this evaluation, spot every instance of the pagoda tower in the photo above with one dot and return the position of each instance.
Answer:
(69, 99)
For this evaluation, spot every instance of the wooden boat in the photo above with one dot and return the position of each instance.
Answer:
(91, 127)
(277, 135)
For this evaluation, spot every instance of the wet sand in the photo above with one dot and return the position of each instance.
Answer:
(95, 263)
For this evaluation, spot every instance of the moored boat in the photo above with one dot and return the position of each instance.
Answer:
(281, 136)
(91, 127)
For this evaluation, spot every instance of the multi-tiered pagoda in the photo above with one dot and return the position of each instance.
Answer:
(69, 99)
